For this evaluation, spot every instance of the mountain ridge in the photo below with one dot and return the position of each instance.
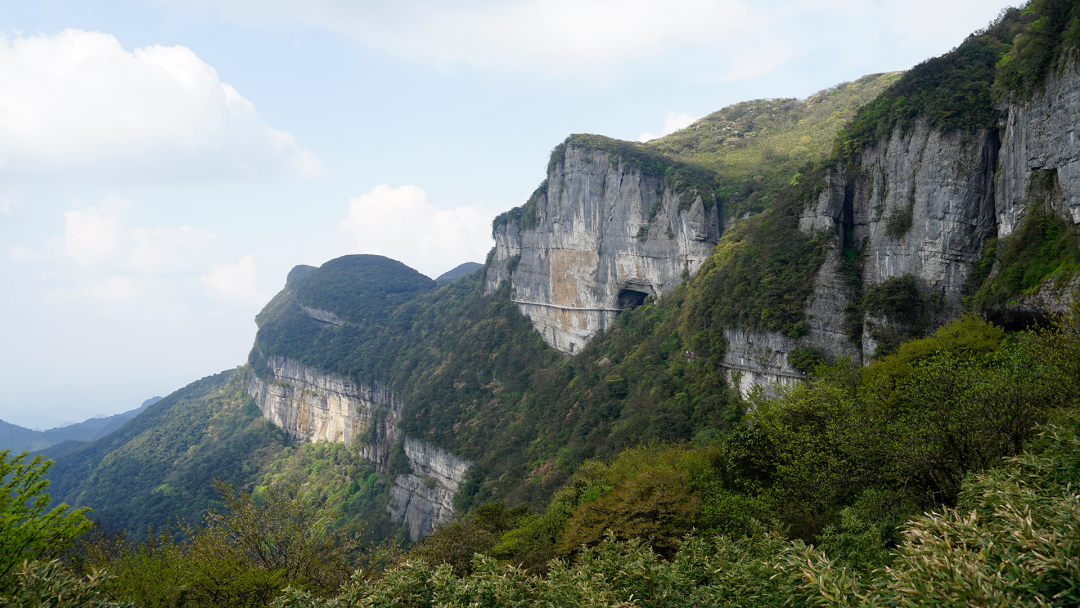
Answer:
(16, 438)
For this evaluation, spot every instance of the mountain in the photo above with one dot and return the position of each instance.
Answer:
(458, 271)
(641, 294)
(17, 438)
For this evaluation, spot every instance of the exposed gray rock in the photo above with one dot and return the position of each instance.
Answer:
(314, 406)
(943, 184)
(595, 251)
(323, 316)
(761, 358)
(425, 497)
(958, 189)
(1040, 135)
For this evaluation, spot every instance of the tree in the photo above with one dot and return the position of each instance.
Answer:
(284, 539)
(27, 531)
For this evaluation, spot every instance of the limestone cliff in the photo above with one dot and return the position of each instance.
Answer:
(919, 203)
(314, 406)
(604, 235)
(923, 203)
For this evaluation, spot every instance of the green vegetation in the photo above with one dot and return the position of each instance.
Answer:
(27, 531)
(1042, 247)
(899, 312)
(40, 583)
(630, 474)
(761, 272)
(477, 380)
(761, 145)
(160, 467)
(738, 157)
(161, 464)
(242, 555)
(524, 217)
(960, 90)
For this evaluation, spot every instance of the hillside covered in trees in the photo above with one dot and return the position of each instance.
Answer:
(634, 472)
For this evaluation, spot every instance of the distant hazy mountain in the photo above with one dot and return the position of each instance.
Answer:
(460, 271)
(17, 438)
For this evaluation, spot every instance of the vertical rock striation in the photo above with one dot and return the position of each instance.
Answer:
(314, 406)
(604, 237)
(923, 203)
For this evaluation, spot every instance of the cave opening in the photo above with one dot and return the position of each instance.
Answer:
(631, 298)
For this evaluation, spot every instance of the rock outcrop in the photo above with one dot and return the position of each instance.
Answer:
(924, 204)
(425, 497)
(921, 203)
(314, 406)
(763, 358)
(606, 236)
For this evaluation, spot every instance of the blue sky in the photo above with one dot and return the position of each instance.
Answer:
(164, 163)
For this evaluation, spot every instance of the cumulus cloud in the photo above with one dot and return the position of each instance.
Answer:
(95, 237)
(234, 281)
(99, 258)
(77, 104)
(90, 237)
(741, 39)
(9, 209)
(400, 223)
(557, 36)
(673, 122)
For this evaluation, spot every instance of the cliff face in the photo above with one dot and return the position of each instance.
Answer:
(923, 204)
(606, 236)
(763, 358)
(919, 205)
(1040, 135)
(313, 406)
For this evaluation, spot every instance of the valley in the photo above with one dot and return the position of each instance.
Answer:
(762, 358)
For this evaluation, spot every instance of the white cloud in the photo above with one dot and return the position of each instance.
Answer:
(77, 104)
(97, 238)
(90, 237)
(557, 36)
(234, 281)
(9, 209)
(162, 251)
(728, 39)
(400, 223)
(673, 122)
(114, 288)
(98, 258)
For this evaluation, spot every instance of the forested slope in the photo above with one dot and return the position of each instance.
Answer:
(620, 451)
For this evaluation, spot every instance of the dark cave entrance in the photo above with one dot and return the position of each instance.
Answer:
(631, 298)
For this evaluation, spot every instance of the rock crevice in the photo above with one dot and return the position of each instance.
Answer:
(315, 406)
(606, 236)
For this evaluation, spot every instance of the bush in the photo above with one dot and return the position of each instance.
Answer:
(27, 531)
(39, 583)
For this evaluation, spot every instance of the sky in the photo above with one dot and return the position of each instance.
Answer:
(165, 163)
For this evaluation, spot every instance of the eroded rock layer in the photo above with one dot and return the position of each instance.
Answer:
(924, 203)
(606, 236)
(314, 406)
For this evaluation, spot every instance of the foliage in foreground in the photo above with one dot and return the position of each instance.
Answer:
(1013, 540)
(243, 555)
(48, 583)
(28, 532)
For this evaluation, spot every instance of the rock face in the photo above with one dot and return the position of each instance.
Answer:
(924, 204)
(606, 236)
(762, 358)
(921, 203)
(1040, 135)
(313, 406)
(425, 497)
